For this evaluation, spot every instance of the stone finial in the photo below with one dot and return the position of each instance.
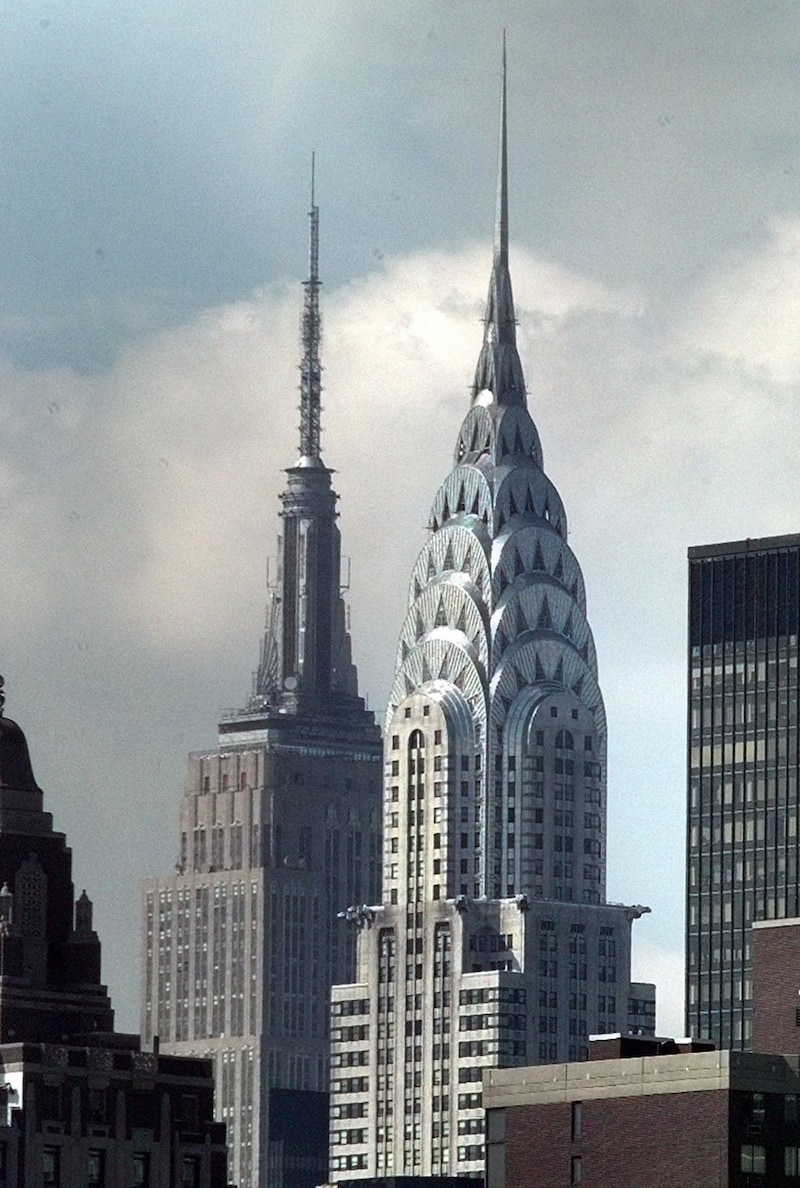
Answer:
(83, 913)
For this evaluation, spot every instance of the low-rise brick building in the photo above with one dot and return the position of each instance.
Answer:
(776, 980)
(695, 1118)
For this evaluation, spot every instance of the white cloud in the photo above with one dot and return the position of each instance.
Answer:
(748, 312)
(138, 505)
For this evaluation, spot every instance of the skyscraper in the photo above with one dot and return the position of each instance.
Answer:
(494, 944)
(744, 753)
(279, 831)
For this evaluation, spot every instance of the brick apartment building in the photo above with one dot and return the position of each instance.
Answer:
(657, 1115)
(776, 974)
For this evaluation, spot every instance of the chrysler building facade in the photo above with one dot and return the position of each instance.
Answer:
(279, 829)
(494, 945)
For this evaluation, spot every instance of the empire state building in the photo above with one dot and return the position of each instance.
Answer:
(279, 830)
(494, 945)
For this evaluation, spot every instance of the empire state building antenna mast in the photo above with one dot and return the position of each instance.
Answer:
(310, 366)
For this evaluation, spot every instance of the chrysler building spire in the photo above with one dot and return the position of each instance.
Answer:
(499, 369)
(501, 215)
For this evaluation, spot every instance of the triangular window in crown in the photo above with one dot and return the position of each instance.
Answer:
(540, 674)
(519, 445)
(530, 506)
(420, 625)
(431, 566)
(558, 572)
(461, 622)
(441, 613)
(474, 443)
(519, 565)
(545, 618)
(538, 558)
(449, 562)
(475, 506)
(568, 629)
(426, 672)
(577, 688)
(559, 673)
(417, 586)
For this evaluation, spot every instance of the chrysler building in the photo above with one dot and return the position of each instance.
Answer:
(494, 944)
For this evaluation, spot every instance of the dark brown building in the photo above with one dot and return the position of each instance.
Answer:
(696, 1118)
(103, 1116)
(776, 976)
(80, 1105)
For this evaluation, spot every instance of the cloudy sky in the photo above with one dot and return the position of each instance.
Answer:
(153, 199)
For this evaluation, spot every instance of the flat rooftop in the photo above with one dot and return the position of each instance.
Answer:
(755, 544)
(640, 1076)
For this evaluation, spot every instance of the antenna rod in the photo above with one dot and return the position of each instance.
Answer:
(310, 366)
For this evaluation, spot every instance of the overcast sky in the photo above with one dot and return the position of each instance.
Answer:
(154, 167)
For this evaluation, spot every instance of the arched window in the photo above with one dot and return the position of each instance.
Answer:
(564, 741)
(416, 759)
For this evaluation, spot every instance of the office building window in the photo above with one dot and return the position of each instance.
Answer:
(50, 1166)
(190, 1171)
(96, 1169)
(754, 1158)
(141, 1170)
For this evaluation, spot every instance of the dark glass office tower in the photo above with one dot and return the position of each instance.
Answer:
(743, 759)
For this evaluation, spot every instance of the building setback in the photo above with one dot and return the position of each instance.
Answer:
(743, 759)
(279, 831)
(494, 944)
(80, 1104)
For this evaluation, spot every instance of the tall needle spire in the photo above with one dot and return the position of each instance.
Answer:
(499, 370)
(501, 218)
(310, 367)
